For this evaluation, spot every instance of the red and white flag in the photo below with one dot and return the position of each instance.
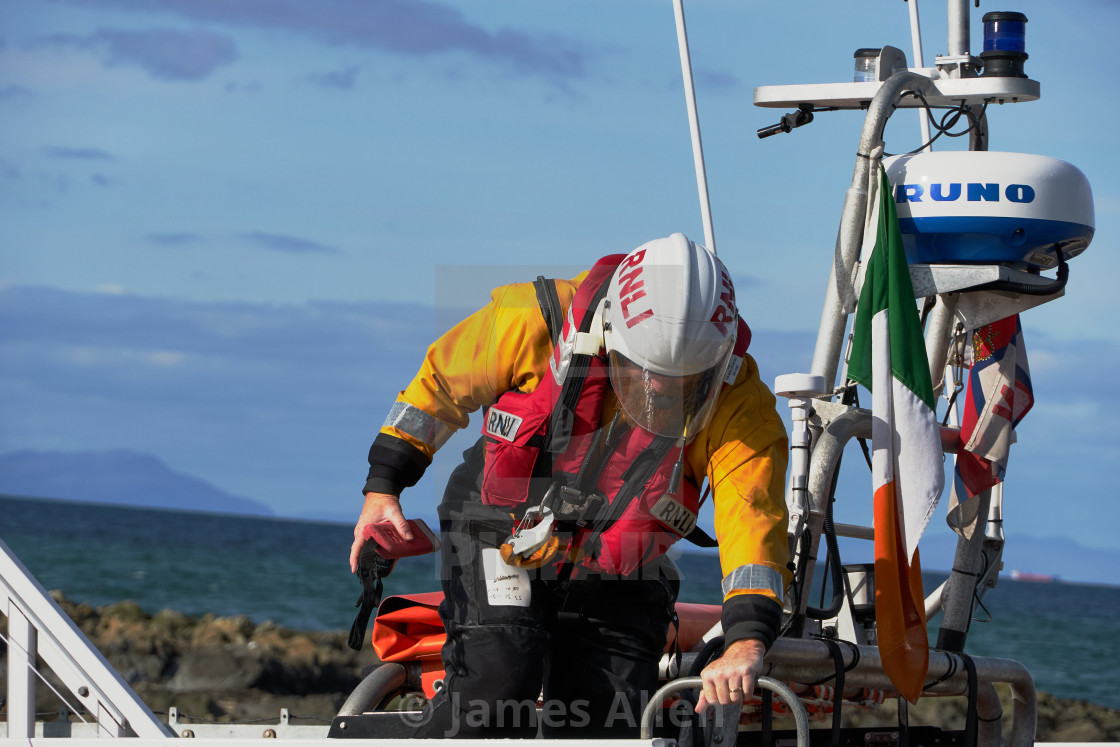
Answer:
(999, 394)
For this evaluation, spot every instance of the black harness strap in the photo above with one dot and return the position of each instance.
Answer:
(767, 716)
(838, 677)
(970, 725)
(838, 688)
(560, 423)
(903, 722)
(372, 568)
(635, 478)
(549, 302)
(700, 538)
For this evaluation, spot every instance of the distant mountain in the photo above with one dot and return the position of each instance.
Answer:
(1056, 556)
(118, 476)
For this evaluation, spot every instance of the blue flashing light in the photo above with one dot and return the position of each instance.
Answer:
(1005, 32)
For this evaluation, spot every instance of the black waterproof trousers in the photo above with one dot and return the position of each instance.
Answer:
(589, 647)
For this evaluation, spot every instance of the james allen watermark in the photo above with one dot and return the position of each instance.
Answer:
(550, 714)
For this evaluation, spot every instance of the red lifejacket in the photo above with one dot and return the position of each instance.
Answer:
(538, 439)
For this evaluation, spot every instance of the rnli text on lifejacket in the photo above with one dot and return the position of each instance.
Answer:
(502, 425)
(674, 514)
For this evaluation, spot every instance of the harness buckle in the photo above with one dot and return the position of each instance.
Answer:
(572, 506)
(529, 537)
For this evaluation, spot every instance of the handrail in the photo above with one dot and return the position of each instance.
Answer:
(801, 719)
(802, 660)
(38, 626)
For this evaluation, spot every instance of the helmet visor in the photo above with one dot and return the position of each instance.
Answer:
(676, 406)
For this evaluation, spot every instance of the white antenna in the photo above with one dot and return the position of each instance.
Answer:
(916, 40)
(694, 127)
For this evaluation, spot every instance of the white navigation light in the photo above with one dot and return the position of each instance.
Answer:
(867, 65)
(990, 208)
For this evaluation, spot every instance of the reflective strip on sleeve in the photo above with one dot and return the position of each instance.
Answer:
(754, 577)
(418, 424)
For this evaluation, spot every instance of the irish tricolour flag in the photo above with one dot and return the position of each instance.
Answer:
(889, 358)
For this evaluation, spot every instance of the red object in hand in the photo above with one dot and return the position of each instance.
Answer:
(391, 544)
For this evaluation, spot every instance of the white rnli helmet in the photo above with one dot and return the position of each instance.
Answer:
(669, 329)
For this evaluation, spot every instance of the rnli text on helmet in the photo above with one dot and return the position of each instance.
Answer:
(725, 312)
(631, 288)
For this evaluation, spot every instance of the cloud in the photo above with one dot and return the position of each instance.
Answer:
(279, 402)
(13, 92)
(289, 244)
(748, 281)
(715, 80)
(405, 27)
(342, 79)
(169, 54)
(9, 170)
(119, 346)
(78, 154)
(174, 238)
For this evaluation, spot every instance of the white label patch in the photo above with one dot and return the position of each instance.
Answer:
(733, 367)
(671, 512)
(506, 585)
(502, 425)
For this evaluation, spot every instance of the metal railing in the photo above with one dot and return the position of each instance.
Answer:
(37, 627)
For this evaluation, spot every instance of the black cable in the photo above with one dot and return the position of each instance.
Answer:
(927, 306)
(952, 114)
(976, 592)
(797, 586)
(834, 565)
(949, 673)
(1030, 289)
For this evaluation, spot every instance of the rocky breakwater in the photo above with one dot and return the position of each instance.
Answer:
(229, 669)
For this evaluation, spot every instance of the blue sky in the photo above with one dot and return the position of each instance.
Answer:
(225, 225)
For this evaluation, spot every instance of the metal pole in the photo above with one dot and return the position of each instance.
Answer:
(939, 333)
(959, 40)
(21, 674)
(694, 127)
(919, 61)
(839, 296)
(961, 586)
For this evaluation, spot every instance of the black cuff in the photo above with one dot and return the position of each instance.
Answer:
(394, 464)
(751, 617)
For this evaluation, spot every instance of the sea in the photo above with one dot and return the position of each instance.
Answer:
(296, 574)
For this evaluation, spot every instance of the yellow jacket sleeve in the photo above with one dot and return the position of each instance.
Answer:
(744, 452)
(504, 345)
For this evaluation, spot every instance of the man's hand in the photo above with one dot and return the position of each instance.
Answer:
(377, 508)
(730, 676)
